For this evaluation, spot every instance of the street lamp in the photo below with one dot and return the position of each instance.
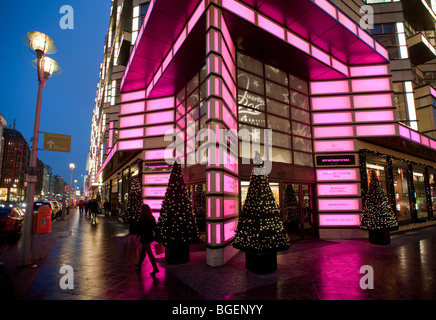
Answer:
(72, 166)
(40, 44)
(74, 194)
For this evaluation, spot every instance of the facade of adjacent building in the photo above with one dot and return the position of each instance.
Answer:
(208, 82)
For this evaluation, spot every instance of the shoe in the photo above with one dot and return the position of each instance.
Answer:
(153, 274)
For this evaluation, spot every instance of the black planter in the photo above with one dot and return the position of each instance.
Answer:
(261, 263)
(380, 237)
(177, 254)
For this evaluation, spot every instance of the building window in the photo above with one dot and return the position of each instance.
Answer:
(420, 194)
(378, 164)
(401, 189)
(270, 98)
(432, 189)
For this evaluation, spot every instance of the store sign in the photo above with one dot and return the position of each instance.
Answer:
(340, 220)
(156, 178)
(29, 178)
(338, 204)
(336, 175)
(338, 189)
(339, 160)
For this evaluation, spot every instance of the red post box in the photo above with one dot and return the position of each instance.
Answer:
(43, 219)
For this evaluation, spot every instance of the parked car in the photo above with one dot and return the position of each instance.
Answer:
(37, 204)
(11, 222)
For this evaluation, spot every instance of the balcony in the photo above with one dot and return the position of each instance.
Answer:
(419, 14)
(420, 49)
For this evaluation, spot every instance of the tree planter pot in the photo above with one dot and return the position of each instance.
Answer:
(177, 254)
(261, 263)
(380, 237)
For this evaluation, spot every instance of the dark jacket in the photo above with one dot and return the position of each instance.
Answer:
(146, 231)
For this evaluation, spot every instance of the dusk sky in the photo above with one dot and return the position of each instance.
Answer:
(68, 98)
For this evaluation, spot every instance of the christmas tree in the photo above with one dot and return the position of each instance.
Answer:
(378, 214)
(133, 211)
(177, 225)
(200, 206)
(259, 228)
(291, 204)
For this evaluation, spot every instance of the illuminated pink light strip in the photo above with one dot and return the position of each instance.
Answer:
(130, 96)
(414, 136)
(154, 154)
(329, 87)
(340, 220)
(230, 184)
(159, 130)
(334, 145)
(298, 42)
(333, 132)
(159, 117)
(404, 132)
(333, 117)
(131, 133)
(327, 7)
(376, 130)
(209, 234)
(155, 204)
(132, 121)
(229, 230)
(374, 116)
(109, 157)
(336, 175)
(134, 107)
(230, 207)
(369, 71)
(218, 233)
(239, 9)
(349, 24)
(369, 85)
(131, 144)
(425, 141)
(196, 16)
(382, 50)
(271, 27)
(366, 38)
(338, 189)
(218, 207)
(159, 104)
(372, 101)
(338, 204)
(331, 103)
(320, 55)
(340, 66)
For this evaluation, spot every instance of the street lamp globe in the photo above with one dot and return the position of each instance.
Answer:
(47, 66)
(39, 43)
(72, 166)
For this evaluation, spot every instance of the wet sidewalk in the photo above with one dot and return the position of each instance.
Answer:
(102, 258)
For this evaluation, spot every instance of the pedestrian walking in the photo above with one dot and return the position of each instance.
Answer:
(146, 229)
(94, 209)
(86, 208)
(81, 206)
(107, 208)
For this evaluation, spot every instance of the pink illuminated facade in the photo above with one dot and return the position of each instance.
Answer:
(301, 70)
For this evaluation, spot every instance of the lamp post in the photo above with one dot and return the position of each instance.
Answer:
(74, 194)
(72, 166)
(40, 44)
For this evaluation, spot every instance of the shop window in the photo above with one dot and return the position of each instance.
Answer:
(279, 124)
(275, 188)
(250, 64)
(276, 75)
(300, 115)
(277, 92)
(378, 164)
(281, 155)
(251, 117)
(250, 82)
(420, 195)
(300, 129)
(277, 108)
(432, 185)
(303, 159)
(248, 99)
(299, 100)
(401, 190)
(298, 84)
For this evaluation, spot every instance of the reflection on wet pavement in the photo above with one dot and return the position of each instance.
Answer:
(103, 257)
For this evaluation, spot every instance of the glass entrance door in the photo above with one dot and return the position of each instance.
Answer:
(297, 211)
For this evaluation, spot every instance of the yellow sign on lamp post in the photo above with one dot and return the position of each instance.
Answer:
(57, 142)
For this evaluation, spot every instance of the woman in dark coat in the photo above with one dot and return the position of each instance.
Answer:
(147, 226)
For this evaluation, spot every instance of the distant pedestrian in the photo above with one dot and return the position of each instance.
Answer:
(86, 208)
(94, 209)
(146, 229)
(107, 208)
(81, 205)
